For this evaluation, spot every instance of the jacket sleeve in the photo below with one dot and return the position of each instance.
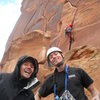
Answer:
(1, 79)
(2, 93)
(47, 87)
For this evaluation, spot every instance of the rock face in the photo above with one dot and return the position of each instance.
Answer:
(42, 24)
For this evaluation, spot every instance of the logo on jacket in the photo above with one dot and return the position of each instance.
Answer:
(71, 76)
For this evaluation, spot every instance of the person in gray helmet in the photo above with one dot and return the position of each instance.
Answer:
(18, 85)
(67, 83)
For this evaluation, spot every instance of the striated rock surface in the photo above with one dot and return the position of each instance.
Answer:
(42, 24)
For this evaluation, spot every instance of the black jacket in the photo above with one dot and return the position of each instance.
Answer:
(12, 87)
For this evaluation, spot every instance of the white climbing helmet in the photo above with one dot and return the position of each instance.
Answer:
(52, 49)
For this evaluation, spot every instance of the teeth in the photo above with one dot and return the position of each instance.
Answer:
(27, 72)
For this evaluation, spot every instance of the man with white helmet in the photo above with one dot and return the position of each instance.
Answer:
(66, 83)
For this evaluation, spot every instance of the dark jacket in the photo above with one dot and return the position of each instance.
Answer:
(12, 87)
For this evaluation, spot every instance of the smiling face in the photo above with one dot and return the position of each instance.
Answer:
(56, 58)
(26, 70)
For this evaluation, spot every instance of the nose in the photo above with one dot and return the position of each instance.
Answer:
(28, 66)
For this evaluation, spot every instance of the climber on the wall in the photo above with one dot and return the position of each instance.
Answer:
(68, 32)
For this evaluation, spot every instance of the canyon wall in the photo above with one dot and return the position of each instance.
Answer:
(41, 25)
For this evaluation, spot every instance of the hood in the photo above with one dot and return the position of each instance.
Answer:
(16, 73)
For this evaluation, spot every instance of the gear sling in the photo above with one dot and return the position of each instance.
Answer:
(66, 95)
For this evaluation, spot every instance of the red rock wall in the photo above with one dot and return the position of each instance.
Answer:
(41, 25)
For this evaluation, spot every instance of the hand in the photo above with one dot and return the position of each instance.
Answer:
(96, 97)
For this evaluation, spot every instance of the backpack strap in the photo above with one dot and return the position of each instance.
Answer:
(55, 83)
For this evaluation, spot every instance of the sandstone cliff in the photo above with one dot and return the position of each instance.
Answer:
(42, 24)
